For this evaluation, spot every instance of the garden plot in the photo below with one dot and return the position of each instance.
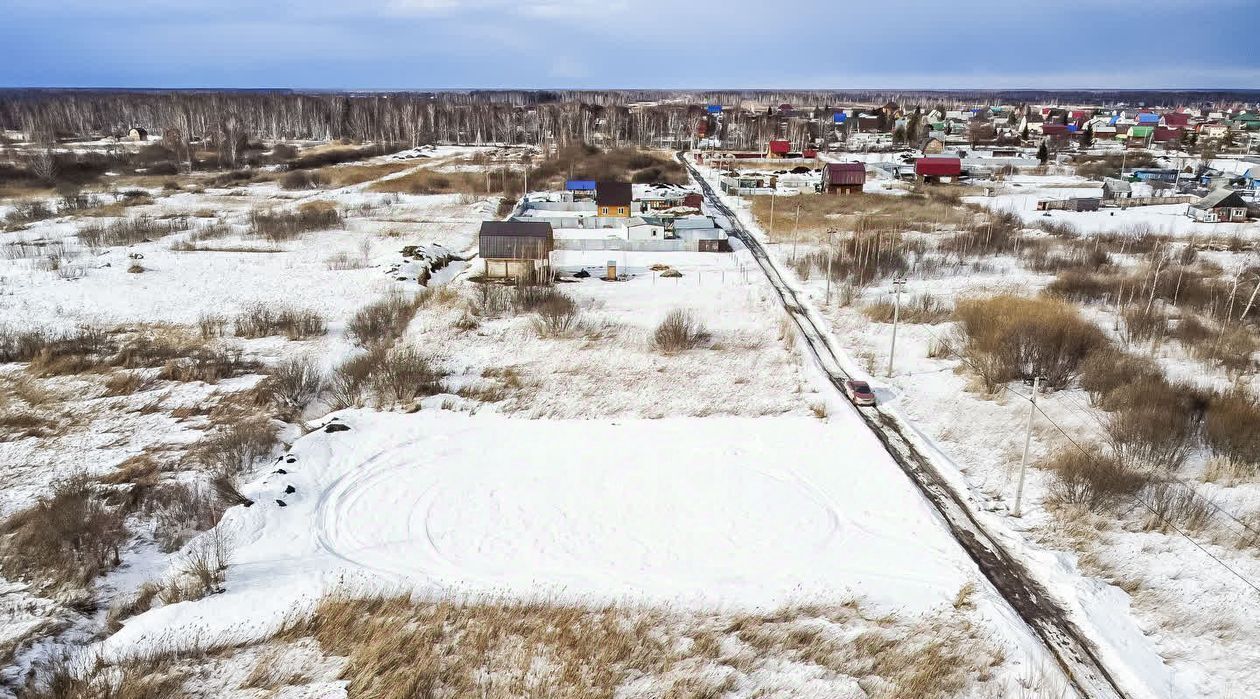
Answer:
(605, 365)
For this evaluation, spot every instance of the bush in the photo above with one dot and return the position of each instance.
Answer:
(1174, 504)
(1012, 337)
(922, 308)
(680, 330)
(235, 446)
(405, 375)
(1231, 430)
(282, 226)
(292, 385)
(300, 179)
(1092, 480)
(557, 316)
(129, 231)
(383, 321)
(1153, 426)
(1107, 370)
(207, 364)
(1141, 325)
(351, 380)
(180, 511)
(66, 538)
(261, 320)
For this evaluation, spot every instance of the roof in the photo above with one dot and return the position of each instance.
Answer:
(579, 185)
(844, 173)
(1220, 198)
(694, 222)
(516, 229)
(938, 166)
(1141, 131)
(1116, 184)
(613, 193)
(1147, 118)
(780, 145)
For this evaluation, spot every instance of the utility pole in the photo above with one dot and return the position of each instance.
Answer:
(773, 191)
(899, 283)
(795, 230)
(1023, 463)
(830, 251)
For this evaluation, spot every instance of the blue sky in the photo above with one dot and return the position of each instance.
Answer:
(401, 44)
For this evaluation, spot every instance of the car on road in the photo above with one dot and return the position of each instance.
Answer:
(859, 392)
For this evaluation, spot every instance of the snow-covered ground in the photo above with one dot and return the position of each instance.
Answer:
(1178, 618)
(733, 513)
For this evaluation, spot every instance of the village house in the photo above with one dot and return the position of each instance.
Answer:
(938, 168)
(613, 199)
(1115, 188)
(517, 250)
(844, 178)
(1220, 206)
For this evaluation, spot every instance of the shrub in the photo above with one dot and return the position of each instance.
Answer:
(205, 561)
(1231, 430)
(351, 380)
(1150, 433)
(66, 538)
(921, 308)
(207, 364)
(261, 320)
(211, 325)
(235, 446)
(1109, 369)
(558, 316)
(282, 226)
(383, 321)
(1231, 349)
(1174, 504)
(180, 511)
(129, 231)
(292, 385)
(405, 375)
(1012, 337)
(300, 179)
(680, 330)
(1092, 480)
(1141, 325)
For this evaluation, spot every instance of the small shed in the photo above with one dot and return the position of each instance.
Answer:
(1219, 206)
(519, 250)
(845, 178)
(934, 168)
(137, 134)
(613, 199)
(1115, 188)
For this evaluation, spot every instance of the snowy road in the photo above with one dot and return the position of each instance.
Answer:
(1076, 654)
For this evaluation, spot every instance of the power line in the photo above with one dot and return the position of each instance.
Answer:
(1155, 512)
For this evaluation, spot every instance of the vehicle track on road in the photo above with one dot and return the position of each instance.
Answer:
(1072, 650)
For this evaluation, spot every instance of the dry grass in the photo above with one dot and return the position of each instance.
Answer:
(129, 231)
(348, 175)
(856, 212)
(281, 226)
(65, 540)
(400, 647)
(384, 321)
(426, 181)
(922, 308)
(265, 320)
(1093, 480)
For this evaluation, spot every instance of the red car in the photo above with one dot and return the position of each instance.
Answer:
(859, 392)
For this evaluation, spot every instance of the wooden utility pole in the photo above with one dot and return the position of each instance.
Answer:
(1023, 463)
(899, 283)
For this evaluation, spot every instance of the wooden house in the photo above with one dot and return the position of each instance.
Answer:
(517, 250)
(613, 199)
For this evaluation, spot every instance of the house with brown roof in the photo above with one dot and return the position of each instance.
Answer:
(613, 199)
(844, 178)
(518, 250)
(1219, 206)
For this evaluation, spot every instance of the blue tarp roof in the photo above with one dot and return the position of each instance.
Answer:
(1114, 119)
(714, 108)
(840, 117)
(1148, 118)
(580, 185)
